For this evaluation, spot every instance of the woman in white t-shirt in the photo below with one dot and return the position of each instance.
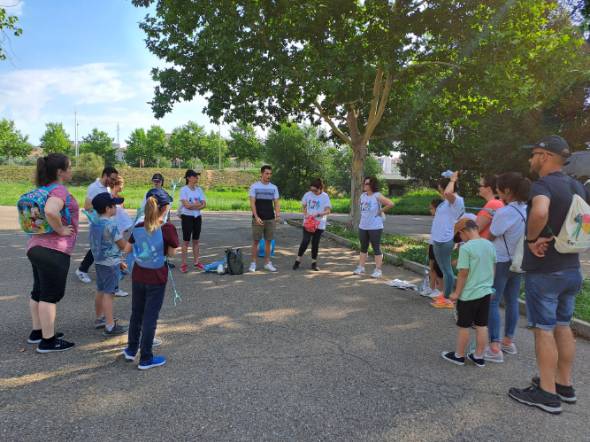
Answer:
(373, 206)
(447, 214)
(192, 201)
(316, 204)
(507, 229)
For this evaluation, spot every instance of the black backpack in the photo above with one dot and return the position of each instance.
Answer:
(235, 262)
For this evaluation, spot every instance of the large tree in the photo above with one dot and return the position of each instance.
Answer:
(243, 143)
(101, 144)
(137, 150)
(347, 63)
(55, 139)
(186, 142)
(8, 25)
(12, 142)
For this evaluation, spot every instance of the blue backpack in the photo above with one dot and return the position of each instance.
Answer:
(31, 210)
(148, 250)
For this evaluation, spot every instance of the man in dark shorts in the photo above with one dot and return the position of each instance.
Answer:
(552, 279)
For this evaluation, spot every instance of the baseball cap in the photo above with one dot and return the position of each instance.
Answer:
(158, 177)
(104, 200)
(161, 196)
(554, 144)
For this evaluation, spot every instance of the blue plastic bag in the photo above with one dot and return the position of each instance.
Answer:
(261, 246)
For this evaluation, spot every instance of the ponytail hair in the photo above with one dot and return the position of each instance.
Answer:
(48, 167)
(152, 215)
(519, 186)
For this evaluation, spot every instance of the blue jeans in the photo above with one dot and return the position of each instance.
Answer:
(442, 254)
(551, 297)
(507, 285)
(146, 302)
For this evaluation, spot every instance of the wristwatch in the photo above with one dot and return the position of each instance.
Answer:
(532, 240)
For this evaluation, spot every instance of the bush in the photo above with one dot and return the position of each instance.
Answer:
(89, 167)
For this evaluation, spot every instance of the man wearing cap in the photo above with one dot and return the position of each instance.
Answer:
(552, 279)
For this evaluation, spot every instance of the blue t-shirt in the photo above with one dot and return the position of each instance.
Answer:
(559, 188)
(110, 254)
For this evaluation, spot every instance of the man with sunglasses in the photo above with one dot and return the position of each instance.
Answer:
(552, 279)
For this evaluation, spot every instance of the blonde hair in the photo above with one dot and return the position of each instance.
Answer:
(152, 215)
(119, 181)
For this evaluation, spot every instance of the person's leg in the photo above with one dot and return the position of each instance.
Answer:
(462, 341)
(153, 303)
(267, 246)
(34, 308)
(47, 312)
(98, 305)
(255, 250)
(34, 300)
(481, 336)
(138, 294)
(184, 252)
(375, 239)
(269, 230)
(442, 253)
(547, 356)
(186, 223)
(364, 241)
(511, 306)
(86, 262)
(304, 244)
(494, 319)
(315, 245)
(196, 236)
(566, 353)
(196, 251)
(107, 306)
(257, 232)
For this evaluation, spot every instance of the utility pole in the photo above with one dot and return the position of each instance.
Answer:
(76, 149)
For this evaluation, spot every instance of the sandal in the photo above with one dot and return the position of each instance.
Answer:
(183, 268)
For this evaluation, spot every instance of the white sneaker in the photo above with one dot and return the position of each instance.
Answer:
(509, 349)
(359, 270)
(252, 267)
(156, 342)
(121, 293)
(270, 267)
(490, 356)
(426, 292)
(435, 293)
(377, 274)
(83, 276)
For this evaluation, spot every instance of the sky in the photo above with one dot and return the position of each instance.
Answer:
(88, 57)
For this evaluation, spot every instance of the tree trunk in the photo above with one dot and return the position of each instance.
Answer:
(359, 154)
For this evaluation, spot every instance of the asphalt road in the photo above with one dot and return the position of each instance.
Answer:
(285, 356)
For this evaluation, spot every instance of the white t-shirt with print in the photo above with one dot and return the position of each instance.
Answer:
(370, 212)
(317, 204)
(192, 197)
(445, 217)
(508, 224)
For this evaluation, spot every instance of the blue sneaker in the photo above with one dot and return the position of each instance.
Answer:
(128, 355)
(155, 362)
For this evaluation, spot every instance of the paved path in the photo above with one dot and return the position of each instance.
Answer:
(286, 356)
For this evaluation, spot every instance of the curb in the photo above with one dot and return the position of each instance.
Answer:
(581, 328)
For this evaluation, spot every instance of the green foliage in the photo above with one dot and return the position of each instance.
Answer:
(244, 143)
(136, 152)
(8, 23)
(214, 149)
(156, 145)
(99, 143)
(297, 156)
(186, 143)
(12, 142)
(55, 139)
(339, 170)
(89, 167)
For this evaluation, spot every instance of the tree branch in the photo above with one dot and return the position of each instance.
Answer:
(441, 63)
(378, 103)
(331, 123)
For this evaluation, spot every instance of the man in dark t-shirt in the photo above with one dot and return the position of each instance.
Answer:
(552, 279)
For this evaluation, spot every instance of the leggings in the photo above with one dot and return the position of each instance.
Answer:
(442, 253)
(86, 262)
(315, 243)
(372, 236)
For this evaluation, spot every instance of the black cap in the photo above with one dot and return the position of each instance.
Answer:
(161, 196)
(554, 144)
(104, 200)
(158, 177)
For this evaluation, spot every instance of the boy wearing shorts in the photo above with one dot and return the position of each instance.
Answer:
(476, 265)
(107, 243)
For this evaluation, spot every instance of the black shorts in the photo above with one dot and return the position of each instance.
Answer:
(50, 273)
(191, 227)
(473, 312)
(435, 266)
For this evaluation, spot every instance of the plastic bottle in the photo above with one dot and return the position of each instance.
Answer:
(447, 174)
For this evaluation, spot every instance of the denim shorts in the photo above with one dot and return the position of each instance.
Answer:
(551, 297)
(107, 278)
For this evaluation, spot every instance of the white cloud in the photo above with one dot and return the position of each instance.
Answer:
(13, 7)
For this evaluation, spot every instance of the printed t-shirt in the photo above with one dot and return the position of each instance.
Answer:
(370, 212)
(317, 204)
(479, 257)
(110, 251)
(191, 196)
(64, 244)
(264, 195)
(156, 276)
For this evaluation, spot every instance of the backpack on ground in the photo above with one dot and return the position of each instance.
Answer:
(235, 262)
(574, 236)
(31, 211)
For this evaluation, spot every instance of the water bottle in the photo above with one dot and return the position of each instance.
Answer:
(447, 174)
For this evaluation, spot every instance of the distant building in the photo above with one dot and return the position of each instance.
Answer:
(391, 173)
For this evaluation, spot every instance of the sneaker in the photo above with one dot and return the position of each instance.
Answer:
(252, 267)
(83, 276)
(183, 268)
(115, 331)
(377, 274)
(128, 355)
(426, 292)
(121, 293)
(314, 267)
(444, 304)
(36, 337)
(491, 356)
(270, 267)
(296, 265)
(451, 356)
(359, 270)
(509, 349)
(533, 396)
(200, 266)
(101, 322)
(156, 342)
(436, 294)
(566, 393)
(156, 361)
(477, 361)
(54, 345)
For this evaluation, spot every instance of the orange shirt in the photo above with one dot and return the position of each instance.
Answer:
(493, 205)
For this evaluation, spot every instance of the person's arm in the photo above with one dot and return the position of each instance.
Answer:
(386, 204)
(304, 208)
(449, 192)
(254, 212)
(53, 208)
(88, 203)
(538, 218)
(483, 221)
(277, 209)
(128, 247)
(461, 281)
(122, 244)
